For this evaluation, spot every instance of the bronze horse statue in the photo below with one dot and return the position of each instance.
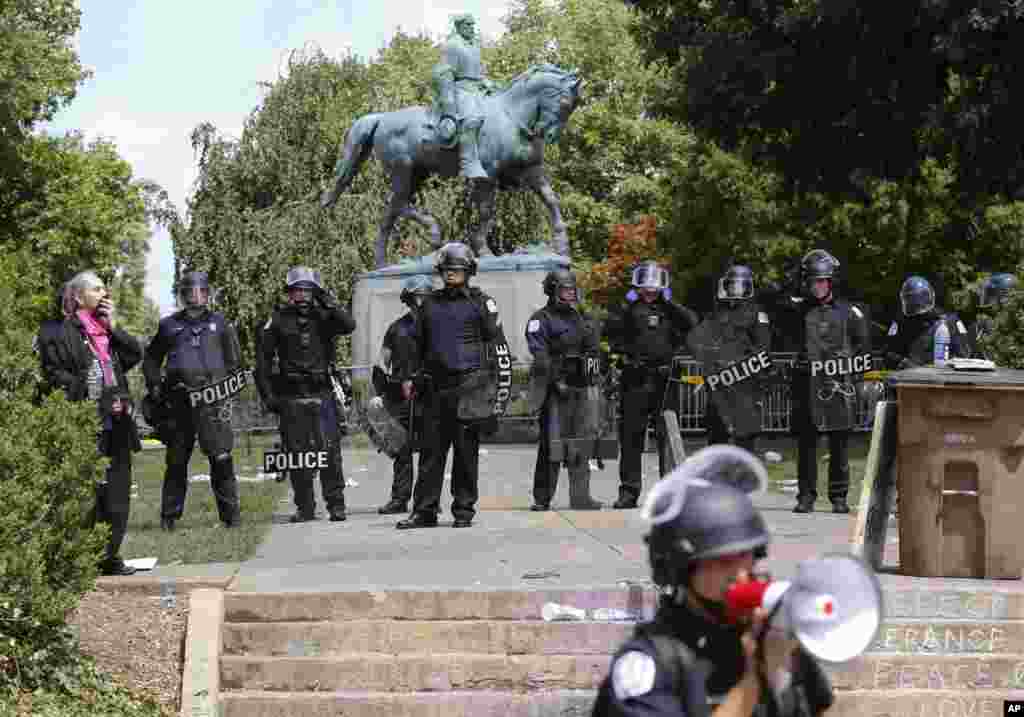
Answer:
(518, 121)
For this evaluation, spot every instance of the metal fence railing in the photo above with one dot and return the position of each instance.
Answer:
(249, 416)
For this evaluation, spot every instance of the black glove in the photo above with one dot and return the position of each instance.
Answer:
(156, 393)
(272, 405)
(327, 300)
(560, 387)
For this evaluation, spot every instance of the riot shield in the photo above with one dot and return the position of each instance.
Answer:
(537, 389)
(384, 430)
(833, 394)
(476, 396)
(574, 423)
(733, 380)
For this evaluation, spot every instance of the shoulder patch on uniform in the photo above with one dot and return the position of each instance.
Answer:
(633, 674)
(960, 326)
(893, 328)
(762, 317)
(858, 312)
(213, 327)
(491, 306)
(533, 326)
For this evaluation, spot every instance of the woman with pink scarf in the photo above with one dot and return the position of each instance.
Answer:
(88, 358)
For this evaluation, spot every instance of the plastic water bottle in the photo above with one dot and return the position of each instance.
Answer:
(940, 350)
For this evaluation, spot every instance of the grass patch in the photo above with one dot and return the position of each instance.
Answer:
(199, 536)
(779, 473)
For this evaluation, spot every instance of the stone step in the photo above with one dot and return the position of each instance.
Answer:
(921, 703)
(426, 604)
(982, 601)
(482, 703)
(890, 671)
(414, 672)
(313, 639)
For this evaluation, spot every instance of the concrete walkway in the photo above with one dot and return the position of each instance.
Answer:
(507, 547)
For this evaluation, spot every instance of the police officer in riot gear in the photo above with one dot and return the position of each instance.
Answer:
(689, 660)
(302, 335)
(738, 329)
(992, 295)
(399, 354)
(647, 330)
(910, 341)
(561, 339)
(200, 347)
(833, 333)
(454, 323)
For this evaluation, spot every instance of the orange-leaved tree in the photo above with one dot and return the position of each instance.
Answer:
(607, 282)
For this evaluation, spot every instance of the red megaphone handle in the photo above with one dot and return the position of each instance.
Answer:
(741, 599)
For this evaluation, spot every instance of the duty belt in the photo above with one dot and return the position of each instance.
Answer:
(297, 384)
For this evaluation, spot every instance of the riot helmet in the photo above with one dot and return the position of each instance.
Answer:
(455, 255)
(649, 275)
(996, 289)
(737, 284)
(559, 280)
(194, 291)
(302, 283)
(818, 264)
(302, 277)
(703, 510)
(414, 289)
(916, 296)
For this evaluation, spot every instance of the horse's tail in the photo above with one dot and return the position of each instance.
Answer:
(358, 144)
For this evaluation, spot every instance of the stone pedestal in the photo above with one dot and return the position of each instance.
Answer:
(513, 280)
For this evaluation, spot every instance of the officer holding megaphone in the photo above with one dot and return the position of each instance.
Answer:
(721, 640)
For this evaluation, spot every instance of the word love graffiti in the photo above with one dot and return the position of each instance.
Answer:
(277, 461)
(739, 371)
(220, 391)
(842, 366)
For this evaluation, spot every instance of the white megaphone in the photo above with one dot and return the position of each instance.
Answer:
(833, 606)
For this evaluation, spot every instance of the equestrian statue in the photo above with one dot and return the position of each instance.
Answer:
(494, 137)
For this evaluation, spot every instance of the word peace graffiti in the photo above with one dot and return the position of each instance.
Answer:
(220, 391)
(842, 366)
(277, 461)
(739, 371)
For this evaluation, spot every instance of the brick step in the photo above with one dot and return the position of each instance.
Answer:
(415, 672)
(560, 703)
(314, 639)
(892, 671)
(922, 703)
(425, 605)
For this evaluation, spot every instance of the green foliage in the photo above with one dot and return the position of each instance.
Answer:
(830, 91)
(39, 70)
(65, 206)
(56, 680)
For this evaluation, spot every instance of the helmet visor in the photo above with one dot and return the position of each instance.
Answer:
(650, 276)
(191, 296)
(735, 288)
(917, 299)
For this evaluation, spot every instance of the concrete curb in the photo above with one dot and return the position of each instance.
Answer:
(154, 585)
(200, 680)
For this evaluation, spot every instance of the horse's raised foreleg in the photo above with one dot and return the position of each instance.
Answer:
(358, 144)
(485, 198)
(538, 182)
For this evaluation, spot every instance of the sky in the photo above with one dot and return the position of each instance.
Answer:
(160, 68)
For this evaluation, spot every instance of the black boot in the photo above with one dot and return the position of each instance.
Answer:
(804, 504)
(393, 508)
(417, 520)
(579, 488)
(115, 567)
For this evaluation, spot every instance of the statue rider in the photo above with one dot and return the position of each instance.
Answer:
(459, 84)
